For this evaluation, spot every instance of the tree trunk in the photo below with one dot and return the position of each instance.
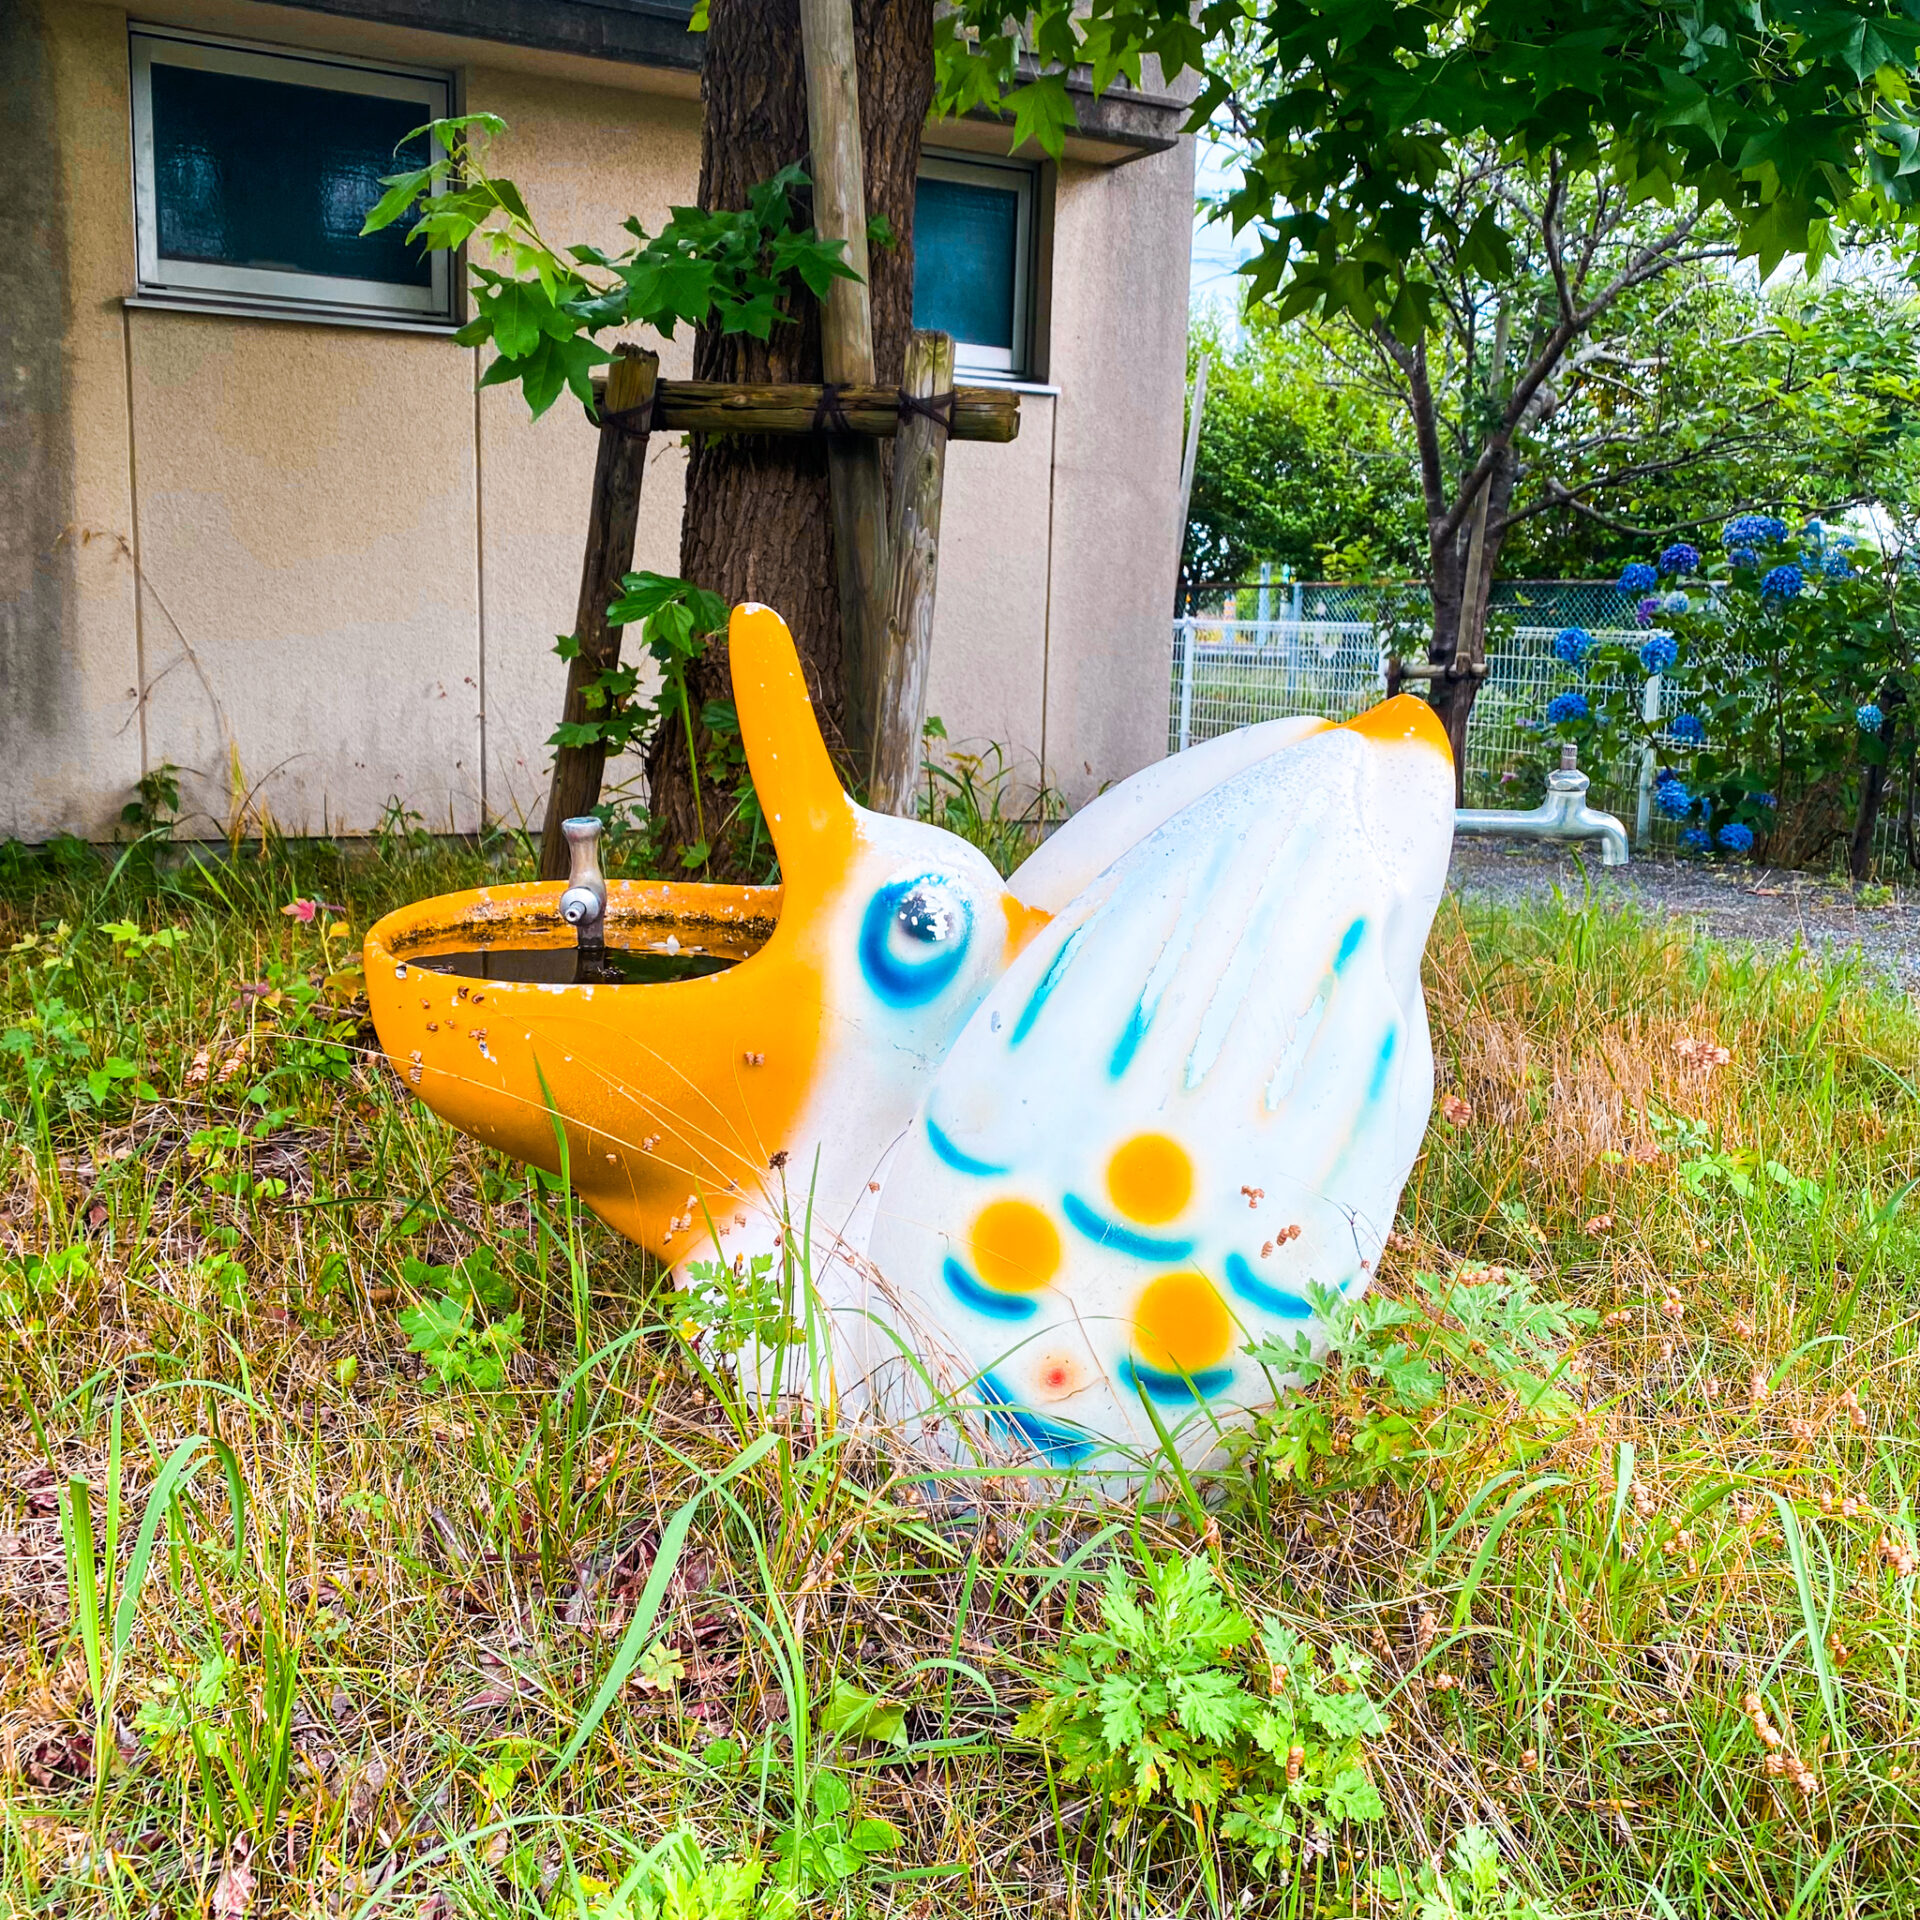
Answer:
(613, 516)
(1873, 786)
(1461, 568)
(758, 522)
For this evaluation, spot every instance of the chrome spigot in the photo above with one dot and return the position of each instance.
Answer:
(1562, 815)
(584, 904)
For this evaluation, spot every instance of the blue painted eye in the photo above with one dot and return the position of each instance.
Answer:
(913, 938)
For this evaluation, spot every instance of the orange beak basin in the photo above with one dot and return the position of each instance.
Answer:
(658, 1090)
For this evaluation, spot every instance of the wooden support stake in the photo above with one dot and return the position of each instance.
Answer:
(919, 471)
(612, 519)
(846, 352)
(1190, 459)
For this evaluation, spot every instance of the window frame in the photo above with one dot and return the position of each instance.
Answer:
(998, 363)
(265, 290)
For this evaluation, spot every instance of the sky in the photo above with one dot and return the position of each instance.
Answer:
(1215, 252)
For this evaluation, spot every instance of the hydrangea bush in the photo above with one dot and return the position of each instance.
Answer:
(1794, 652)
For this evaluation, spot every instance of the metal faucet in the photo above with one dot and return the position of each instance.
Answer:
(584, 904)
(1562, 815)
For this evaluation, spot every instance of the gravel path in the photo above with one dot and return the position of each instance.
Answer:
(1757, 904)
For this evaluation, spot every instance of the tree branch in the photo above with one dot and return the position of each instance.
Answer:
(1412, 362)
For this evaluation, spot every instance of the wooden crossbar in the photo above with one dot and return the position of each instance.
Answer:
(717, 406)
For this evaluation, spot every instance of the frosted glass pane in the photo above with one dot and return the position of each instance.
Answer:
(266, 173)
(964, 238)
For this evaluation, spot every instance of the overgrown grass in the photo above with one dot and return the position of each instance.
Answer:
(399, 1641)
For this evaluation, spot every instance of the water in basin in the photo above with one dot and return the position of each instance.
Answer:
(575, 966)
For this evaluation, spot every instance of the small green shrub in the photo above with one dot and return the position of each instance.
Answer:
(729, 1307)
(826, 1845)
(457, 1351)
(1155, 1704)
(1470, 1884)
(1382, 1395)
(676, 1881)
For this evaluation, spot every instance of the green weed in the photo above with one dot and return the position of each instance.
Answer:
(1608, 1477)
(1154, 1704)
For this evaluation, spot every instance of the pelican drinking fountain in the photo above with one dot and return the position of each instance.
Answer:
(1068, 1141)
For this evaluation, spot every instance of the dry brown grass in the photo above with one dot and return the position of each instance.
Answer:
(452, 1572)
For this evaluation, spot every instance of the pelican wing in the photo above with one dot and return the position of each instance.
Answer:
(1196, 1093)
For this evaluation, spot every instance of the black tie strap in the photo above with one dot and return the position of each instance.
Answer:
(937, 407)
(829, 416)
(634, 420)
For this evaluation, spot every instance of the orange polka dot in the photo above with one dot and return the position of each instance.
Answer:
(1150, 1178)
(1015, 1246)
(1181, 1325)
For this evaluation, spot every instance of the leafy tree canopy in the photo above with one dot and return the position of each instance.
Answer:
(1298, 465)
(1710, 397)
(1793, 117)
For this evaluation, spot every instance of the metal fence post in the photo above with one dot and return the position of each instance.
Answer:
(1263, 633)
(1296, 609)
(1189, 639)
(1643, 805)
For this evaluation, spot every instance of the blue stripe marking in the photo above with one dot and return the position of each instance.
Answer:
(1059, 1444)
(1349, 945)
(959, 1161)
(1048, 981)
(1242, 1279)
(1174, 1389)
(1129, 1042)
(1109, 1233)
(1378, 1083)
(982, 1299)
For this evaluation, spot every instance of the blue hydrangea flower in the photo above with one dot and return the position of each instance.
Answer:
(1659, 653)
(1637, 577)
(1766, 800)
(1814, 534)
(1681, 557)
(1782, 582)
(1672, 798)
(1696, 840)
(1735, 838)
(1753, 530)
(1676, 603)
(1743, 556)
(1686, 728)
(1836, 566)
(1571, 645)
(1870, 718)
(1566, 707)
(1644, 612)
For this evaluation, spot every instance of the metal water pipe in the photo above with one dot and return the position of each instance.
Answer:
(1562, 815)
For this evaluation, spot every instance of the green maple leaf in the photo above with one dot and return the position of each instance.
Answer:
(1043, 112)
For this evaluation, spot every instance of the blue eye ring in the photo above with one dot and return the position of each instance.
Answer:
(942, 925)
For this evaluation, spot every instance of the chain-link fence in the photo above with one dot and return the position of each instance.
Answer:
(1260, 651)
(1253, 653)
(1273, 648)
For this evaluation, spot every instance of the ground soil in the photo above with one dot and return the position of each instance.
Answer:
(1759, 905)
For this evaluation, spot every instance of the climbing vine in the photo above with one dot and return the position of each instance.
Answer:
(542, 308)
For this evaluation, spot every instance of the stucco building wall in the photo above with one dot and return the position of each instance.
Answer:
(319, 571)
